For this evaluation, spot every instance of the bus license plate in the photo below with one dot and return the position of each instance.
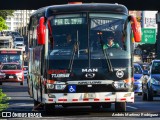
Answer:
(89, 95)
(11, 77)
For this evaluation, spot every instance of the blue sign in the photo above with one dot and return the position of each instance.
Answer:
(71, 88)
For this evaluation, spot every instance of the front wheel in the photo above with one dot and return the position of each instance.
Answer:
(107, 105)
(120, 106)
(49, 108)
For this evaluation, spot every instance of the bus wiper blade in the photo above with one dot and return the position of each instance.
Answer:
(105, 52)
(75, 48)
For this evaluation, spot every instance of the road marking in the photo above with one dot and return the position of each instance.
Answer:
(132, 107)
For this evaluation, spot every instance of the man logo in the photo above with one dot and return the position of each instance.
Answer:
(90, 70)
(90, 75)
(119, 73)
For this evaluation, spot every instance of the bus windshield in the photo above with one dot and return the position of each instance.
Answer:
(81, 39)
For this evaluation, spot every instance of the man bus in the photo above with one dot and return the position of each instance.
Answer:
(84, 73)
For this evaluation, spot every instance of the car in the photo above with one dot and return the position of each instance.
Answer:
(11, 72)
(138, 72)
(25, 71)
(18, 40)
(151, 81)
(20, 46)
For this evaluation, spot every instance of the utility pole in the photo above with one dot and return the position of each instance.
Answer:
(26, 22)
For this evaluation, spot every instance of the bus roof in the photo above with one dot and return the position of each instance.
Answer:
(92, 7)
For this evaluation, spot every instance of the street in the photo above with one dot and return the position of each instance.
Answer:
(20, 102)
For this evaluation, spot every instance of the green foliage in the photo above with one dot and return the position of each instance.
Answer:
(3, 25)
(3, 101)
(5, 13)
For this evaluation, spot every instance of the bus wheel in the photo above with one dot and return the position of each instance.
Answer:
(36, 103)
(120, 106)
(49, 108)
(96, 106)
(107, 105)
(21, 83)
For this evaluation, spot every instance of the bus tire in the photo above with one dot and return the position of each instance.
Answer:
(107, 105)
(49, 108)
(36, 103)
(120, 106)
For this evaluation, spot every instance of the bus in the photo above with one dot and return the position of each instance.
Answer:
(6, 42)
(83, 73)
(12, 55)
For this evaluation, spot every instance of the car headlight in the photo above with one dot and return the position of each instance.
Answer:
(19, 74)
(155, 82)
(2, 74)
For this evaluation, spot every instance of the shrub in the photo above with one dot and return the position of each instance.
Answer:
(3, 101)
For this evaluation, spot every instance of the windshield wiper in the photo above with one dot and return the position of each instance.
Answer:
(75, 48)
(105, 52)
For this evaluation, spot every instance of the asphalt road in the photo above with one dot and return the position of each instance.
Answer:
(21, 104)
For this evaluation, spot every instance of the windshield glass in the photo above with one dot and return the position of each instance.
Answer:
(10, 58)
(107, 33)
(11, 67)
(19, 39)
(155, 68)
(137, 69)
(79, 40)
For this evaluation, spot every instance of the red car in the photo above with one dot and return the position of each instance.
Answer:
(11, 72)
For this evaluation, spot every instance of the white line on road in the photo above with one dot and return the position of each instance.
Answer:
(132, 107)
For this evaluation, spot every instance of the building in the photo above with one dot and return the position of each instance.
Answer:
(19, 20)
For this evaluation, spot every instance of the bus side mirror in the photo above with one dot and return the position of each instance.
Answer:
(41, 30)
(136, 27)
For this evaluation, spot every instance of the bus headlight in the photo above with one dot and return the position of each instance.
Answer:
(50, 86)
(119, 84)
(60, 87)
(56, 86)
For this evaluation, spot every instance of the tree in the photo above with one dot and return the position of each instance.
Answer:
(3, 101)
(5, 13)
(3, 25)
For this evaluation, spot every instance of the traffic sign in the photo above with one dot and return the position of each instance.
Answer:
(148, 35)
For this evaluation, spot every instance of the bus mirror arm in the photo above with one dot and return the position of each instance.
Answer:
(136, 28)
(41, 30)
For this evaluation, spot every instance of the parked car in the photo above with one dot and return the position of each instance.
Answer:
(151, 81)
(18, 40)
(11, 72)
(138, 72)
(25, 71)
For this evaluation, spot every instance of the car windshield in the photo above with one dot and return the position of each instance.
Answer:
(19, 39)
(137, 69)
(155, 68)
(19, 45)
(11, 67)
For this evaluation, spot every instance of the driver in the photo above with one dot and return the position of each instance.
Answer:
(110, 43)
